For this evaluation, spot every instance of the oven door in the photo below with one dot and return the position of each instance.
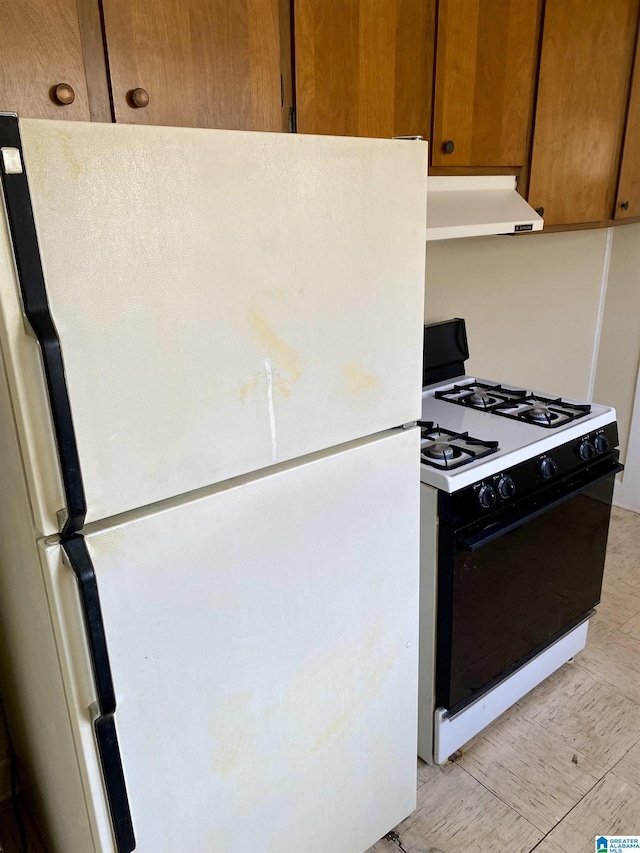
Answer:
(509, 587)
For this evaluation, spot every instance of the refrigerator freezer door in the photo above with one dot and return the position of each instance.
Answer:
(224, 301)
(263, 644)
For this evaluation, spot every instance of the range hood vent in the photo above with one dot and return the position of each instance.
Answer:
(477, 205)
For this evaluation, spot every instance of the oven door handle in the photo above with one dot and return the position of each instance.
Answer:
(494, 531)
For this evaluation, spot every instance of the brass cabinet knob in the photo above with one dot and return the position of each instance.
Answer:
(139, 98)
(64, 94)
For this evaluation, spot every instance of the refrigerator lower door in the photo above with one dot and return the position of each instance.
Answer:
(263, 646)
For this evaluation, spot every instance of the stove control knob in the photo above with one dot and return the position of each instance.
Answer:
(586, 450)
(487, 496)
(506, 487)
(547, 467)
(601, 443)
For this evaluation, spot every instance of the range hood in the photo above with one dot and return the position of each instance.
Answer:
(477, 205)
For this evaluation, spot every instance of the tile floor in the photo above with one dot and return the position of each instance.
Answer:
(557, 769)
(563, 765)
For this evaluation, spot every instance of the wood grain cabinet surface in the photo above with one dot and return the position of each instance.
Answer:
(628, 198)
(486, 63)
(196, 63)
(538, 88)
(364, 67)
(41, 50)
(585, 67)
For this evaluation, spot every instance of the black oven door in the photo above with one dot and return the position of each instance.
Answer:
(509, 588)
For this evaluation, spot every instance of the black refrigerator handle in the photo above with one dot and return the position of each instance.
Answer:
(104, 725)
(494, 531)
(26, 251)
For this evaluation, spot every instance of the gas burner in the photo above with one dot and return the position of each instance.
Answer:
(543, 411)
(445, 449)
(514, 403)
(478, 395)
(540, 413)
(481, 399)
(441, 450)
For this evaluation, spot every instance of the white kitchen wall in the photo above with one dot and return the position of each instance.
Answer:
(619, 350)
(617, 377)
(531, 303)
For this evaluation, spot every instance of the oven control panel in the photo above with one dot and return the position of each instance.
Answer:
(495, 490)
(498, 491)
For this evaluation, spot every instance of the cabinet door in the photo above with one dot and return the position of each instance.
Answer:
(628, 198)
(485, 79)
(364, 67)
(195, 63)
(41, 51)
(585, 67)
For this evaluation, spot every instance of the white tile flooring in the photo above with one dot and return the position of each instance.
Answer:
(563, 765)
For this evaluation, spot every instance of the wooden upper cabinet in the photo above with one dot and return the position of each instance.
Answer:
(196, 63)
(364, 67)
(41, 52)
(587, 50)
(628, 197)
(486, 62)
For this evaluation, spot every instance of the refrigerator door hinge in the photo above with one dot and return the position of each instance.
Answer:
(11, 161)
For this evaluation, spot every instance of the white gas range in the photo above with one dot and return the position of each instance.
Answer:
(516, 500)
(470, 416)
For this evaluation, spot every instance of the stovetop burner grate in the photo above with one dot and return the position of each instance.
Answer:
(514, 403)
(545, 412)
(479, 395)
(442, 448)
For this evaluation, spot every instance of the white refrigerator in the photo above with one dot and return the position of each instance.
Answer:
(209, 518)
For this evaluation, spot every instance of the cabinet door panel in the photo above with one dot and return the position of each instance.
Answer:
(629, 186)
(364, 67)
(40, 48)
(203, 63)
(485, 77)
(582, 94)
